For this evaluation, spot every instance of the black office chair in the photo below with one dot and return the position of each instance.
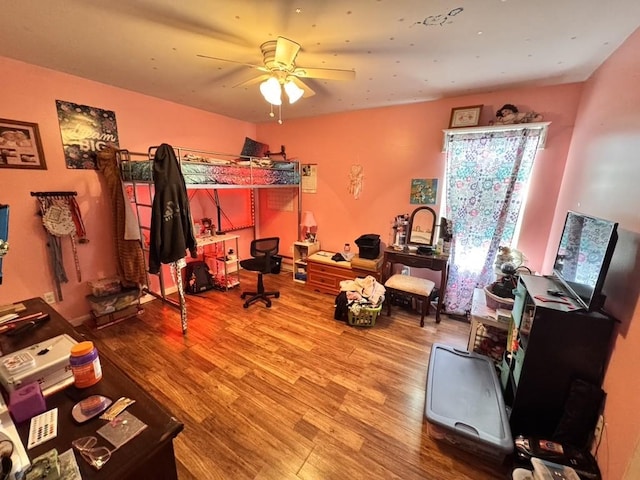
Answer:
(263, 251)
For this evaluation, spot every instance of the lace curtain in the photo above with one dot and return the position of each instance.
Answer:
(486, 179)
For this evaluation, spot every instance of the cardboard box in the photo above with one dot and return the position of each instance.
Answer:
(46, 362)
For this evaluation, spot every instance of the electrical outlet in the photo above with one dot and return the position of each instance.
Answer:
(49, 298)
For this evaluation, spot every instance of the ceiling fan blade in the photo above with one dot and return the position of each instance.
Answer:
(308, 92)
(257, 67)
(286, 51)
(253, 81)
(324, 73)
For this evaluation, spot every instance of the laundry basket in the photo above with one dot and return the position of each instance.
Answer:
(365, 318)
(494, 302)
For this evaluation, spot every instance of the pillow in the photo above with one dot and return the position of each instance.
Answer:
(253, 148)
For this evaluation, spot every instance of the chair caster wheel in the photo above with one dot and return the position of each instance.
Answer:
(277, 295)
(269, 305)
(245, 305)
(243, 296)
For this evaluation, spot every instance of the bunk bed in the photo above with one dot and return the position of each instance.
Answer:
(201, 170)
(206, 169)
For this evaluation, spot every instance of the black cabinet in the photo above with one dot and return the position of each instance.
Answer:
(552, 344)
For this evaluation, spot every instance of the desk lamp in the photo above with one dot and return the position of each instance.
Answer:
(309, 227)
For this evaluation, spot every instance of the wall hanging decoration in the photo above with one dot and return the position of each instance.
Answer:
(85, 131)
(424, 191)
(465, 116)
(356, 180)
(61, 218)
(309, 178)
(20, 145)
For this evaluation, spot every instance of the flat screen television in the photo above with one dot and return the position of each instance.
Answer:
(583, 257)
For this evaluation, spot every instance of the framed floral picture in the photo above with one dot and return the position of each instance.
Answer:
(20, 145)
(465, 116)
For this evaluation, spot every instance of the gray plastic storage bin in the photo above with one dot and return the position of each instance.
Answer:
(464, 404)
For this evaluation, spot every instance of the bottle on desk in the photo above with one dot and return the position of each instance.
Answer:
(346, 252)
(439, 246)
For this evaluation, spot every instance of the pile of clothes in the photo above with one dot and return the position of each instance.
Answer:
(356, 294)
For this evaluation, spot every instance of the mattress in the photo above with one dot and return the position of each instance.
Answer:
(236, 173)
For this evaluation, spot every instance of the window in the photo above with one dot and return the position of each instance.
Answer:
(486, 181)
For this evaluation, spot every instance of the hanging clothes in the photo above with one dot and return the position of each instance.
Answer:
(58, 221)
(171, 226)
(54, 244)
(130, 259)
(176, 272)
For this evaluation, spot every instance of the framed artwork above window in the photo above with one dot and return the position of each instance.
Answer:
(465, 116)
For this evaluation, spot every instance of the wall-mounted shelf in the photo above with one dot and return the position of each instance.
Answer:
(517, 127)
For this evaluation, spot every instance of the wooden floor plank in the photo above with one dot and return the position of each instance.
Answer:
(290, 393)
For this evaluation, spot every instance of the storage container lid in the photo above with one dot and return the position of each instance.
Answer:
(81, 348)
(464, 396)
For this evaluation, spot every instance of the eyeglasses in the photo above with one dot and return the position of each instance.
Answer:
(94, 456)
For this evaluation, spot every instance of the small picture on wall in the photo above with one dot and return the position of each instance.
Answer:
(20, 145)
(465, 116)
(309, 178)
(424, 191)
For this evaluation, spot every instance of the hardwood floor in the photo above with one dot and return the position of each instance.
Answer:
(289, 392)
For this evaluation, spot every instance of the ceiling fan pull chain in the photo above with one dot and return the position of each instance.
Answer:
(280, 114)
(271, 114)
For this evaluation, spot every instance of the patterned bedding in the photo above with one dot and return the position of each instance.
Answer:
(249, 173)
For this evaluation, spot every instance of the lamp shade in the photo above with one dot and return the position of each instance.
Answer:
(271, 91)
(308, 220)
(309, 227)
(294, 92)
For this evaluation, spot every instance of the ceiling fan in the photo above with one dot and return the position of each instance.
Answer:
(281, 72)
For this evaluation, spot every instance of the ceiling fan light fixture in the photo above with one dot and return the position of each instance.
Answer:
(271, 91)
(294, 92)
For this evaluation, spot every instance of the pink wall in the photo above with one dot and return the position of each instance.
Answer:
(397, 144)
(394, 145)
(29, 94)
(602, 179)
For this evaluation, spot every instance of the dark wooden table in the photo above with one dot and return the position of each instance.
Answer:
(148, 455)
(438, 263)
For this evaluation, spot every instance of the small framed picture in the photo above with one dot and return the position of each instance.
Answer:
(465, 116)
(20, 145)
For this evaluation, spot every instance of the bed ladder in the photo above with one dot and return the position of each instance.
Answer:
(143, 211)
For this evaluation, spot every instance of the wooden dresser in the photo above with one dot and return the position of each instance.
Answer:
(325, 275)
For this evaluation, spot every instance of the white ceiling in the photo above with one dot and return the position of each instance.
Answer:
(402, 51)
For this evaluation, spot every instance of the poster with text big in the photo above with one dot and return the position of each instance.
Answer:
(85, 131)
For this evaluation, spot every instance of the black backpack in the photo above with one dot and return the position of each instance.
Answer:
(198, 277)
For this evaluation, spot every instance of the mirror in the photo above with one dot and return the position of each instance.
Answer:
(421, 226)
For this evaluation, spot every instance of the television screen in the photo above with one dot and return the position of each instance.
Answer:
(583, 256)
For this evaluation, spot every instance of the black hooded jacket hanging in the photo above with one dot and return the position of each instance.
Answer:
(171, 227)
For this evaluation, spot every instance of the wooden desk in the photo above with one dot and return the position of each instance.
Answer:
(438, 263)
(149, 455)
